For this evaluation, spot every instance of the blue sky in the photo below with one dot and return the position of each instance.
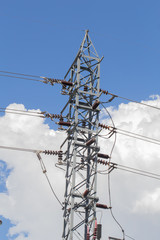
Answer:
(43, 37)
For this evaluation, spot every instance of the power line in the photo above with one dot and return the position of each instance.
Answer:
(157, 142)
(116, 130)
(45, 80)
(138, 173)
(21, 74)
(38, 80)
(18, 110)
(124, 98)
(44, 170)
(21, 149)
(130, 134)
(109, 184)
(43, 114)
(46, 152)
(41, 163)
(138, 135)
(28, 79)
(139, 170)
(129, 237)
(129, 169)
(26, 114)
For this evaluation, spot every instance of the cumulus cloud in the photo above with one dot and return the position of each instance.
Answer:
(28, 202)
(149, 203)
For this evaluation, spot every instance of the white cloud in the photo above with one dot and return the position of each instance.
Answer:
(29, 203)
(149, 203)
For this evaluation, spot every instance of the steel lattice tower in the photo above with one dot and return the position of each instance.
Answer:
(82, 114)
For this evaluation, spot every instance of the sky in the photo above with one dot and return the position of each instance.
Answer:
(42, 38)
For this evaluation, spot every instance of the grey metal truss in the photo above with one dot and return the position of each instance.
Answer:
(82, 113)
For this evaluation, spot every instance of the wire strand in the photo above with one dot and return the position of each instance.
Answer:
(21, 74)
(131, 100)
(13, 109)
(20, 149)
(28, 79)
(129, 237)
(44, 170)
(26, 114)
(133, 135)
(157, 143)
(109, 184)
(52, 189)
(138, 173)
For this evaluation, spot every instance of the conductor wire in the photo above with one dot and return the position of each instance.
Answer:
(43, 167)
(129, 237)
(16, 110)
(26, 114)
(21, 74)
(109, 184)
(128, 99)
(29, 79)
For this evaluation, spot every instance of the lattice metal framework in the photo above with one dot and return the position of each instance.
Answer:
(82, 143)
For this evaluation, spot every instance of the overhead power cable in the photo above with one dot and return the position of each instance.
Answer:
(52, 81)
(46, 152)
(21, 74)
(129, 237)
(31, 113)
(124, 98)
(18, 110)
(21, 113)
(47, 80)
(141, 172)
(137, 172)
(109, 180)
(29, 77)
(20, 149)
(44, 170)
(130, 134)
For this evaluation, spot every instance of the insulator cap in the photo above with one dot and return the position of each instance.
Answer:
(99, 205)
(49, 115)
(103, 126)
(85, 193)
(90, 141)
(101, 155)
(95, 104)
(103, 91)
(49, 152)
(60, 155)
(68, 124)
(66, 83)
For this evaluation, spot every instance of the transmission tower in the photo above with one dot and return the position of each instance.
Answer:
(82, 113)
